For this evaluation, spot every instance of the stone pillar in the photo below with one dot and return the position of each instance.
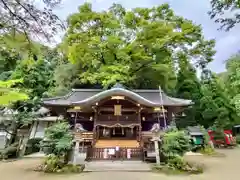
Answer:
(76, 152)
(23, 145)
(156, 147)
(33, 129)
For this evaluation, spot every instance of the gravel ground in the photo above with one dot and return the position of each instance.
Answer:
(219, 168)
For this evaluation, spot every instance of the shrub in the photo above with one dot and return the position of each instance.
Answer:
(33, 146)
(58, 139)
(54, 164)
(177, 164)
(208, 150)
(238, 139)
(1, 155)
(175, 143)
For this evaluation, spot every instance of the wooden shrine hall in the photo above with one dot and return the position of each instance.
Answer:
(115, 123)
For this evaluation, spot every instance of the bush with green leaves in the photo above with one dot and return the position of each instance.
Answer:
(55, 164)
(58, 140)
(238, 139)
(175, 143)
(33, 146)
(177, 164)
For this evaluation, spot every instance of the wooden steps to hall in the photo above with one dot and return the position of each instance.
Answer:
(119, 143)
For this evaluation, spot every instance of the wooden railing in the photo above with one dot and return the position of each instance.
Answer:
(83, 135)
(122, 154)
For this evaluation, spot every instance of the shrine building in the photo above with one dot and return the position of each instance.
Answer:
(115, 123)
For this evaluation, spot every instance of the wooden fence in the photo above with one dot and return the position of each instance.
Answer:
(115, 154)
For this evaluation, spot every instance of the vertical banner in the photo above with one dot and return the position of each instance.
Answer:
(105, 153)
(129, 153)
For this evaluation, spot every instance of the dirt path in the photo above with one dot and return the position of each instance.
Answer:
(221, 168)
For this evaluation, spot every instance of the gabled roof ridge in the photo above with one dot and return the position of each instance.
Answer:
(58, 97)
(100, 90)
(87, 90)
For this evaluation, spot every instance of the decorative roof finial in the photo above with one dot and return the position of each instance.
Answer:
(118, 85)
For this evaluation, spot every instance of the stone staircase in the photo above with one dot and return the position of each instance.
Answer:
(119, 143)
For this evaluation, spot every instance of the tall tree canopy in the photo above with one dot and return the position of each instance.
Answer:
(134, 47)
(232, 80)
(225, 12)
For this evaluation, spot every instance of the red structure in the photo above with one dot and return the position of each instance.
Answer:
(227, 141)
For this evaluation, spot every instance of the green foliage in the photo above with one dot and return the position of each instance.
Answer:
(208, 150)
(137, 47)
(58, 139)
(36, 76)
(205, 136)
(33, 146)
(177, 165)
(233, 81)
(65, 77)
(238, 139)
(9, 95)
(54, 164)
(175, 143)
(226, 13)
(188, 87)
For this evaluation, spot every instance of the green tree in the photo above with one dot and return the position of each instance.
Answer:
(133, 47)
(232, 80)
(58, 140)
(216, 106)
(36, 76)
(188, 87)
(65, 77)
(225, 12)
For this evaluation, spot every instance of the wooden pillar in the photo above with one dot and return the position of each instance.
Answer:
(94, 125)
(139, 127)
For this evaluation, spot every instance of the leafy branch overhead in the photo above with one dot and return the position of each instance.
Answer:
(33, 18)
(9, 95)
(119, 45)
(225, 12)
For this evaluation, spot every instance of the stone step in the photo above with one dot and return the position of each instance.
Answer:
(127, 166)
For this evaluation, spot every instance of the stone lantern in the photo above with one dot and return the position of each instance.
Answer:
(156, 132)
(79, 129)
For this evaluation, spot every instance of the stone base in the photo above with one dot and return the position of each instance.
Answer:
(127, 166)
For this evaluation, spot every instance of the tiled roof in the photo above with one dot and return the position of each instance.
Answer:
(91, 96)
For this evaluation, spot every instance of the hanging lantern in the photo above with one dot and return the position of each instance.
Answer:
(122, 131)
(143, 118)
